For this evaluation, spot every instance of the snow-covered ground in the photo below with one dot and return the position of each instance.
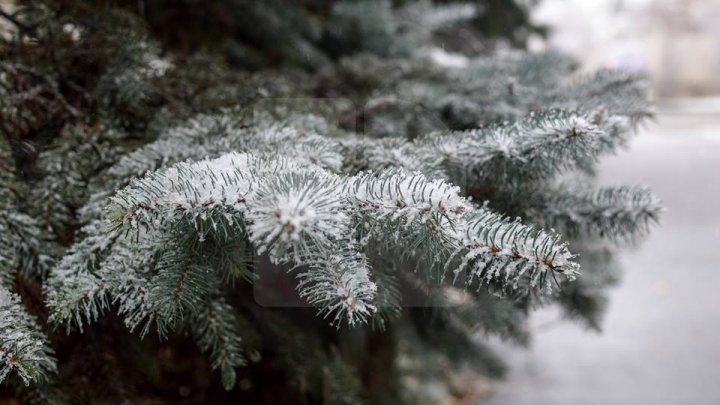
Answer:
(661, 338)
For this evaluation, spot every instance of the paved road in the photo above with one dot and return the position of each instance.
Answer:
(661, 339)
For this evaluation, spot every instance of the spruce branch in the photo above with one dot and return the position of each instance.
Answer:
(187, 193)
(388, 299)
(299, 213)
(182, 281)
(296, 217)
(216, 331)
(105, 268)
(538, 147)
(517, 255)
(212, 135)
(619, 92)
(624, 212)
(24, 349)
(24, 246)
(75, 293)
(408, 214)
(303, 216)
(178, 143)
(339, 284)
(430, 222)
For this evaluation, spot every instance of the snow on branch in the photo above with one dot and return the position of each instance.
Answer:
(538, 147)
(620, 92)
(24, 245)
(496, 249)
(339, 284)
(103, 269)
(24, 349)
(407, 213)
(615, 212)
(186, 192)
(319, 222)
(212, 135)
(298, 212)
(292, 212)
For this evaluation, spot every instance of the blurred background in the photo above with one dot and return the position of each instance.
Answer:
(675, 41)
(659, 338)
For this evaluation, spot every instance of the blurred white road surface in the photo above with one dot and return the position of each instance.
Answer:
(661, 338)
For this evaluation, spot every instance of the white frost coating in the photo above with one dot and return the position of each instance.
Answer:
(441, 15)
(562, 129)
(189, 190)
(5, 297)
(619, 212)
(298, 208)
(23, 347)
(540, 146)
(306, 146)
(396, 193)
(213, 135)
(158, 66)
(302, 215)
(487, 245)
(504, 144)
(340, 285)
(490, 243)
(294, 212)
(447, 59)
(294, 216)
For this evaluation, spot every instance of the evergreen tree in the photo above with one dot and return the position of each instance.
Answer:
(294, 201)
